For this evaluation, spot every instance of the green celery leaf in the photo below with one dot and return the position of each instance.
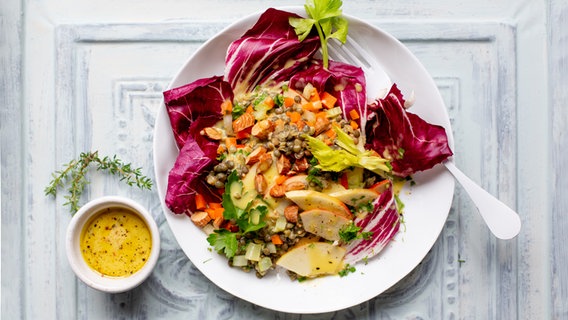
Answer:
(341, 28)
(323, 9)
(223, 240)
(302, 27)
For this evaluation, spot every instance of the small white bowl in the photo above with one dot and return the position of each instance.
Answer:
(93, 278)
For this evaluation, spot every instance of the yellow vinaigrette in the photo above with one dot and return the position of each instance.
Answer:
(116, 242)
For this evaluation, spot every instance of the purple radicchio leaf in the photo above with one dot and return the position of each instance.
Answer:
(409, 142)
(344, 81)
(195, 106)
(187, 177)
(270, 50)
(383, 223)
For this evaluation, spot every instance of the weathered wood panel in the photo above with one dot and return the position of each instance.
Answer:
(78, 76)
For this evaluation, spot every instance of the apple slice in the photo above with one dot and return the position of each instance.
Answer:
(324, 223)
(355, 197)
(313, 259)
(310, 199)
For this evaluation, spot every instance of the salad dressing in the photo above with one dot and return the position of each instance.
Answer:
(116, 242)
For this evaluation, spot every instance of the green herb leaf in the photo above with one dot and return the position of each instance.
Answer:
(326, 17)
(352, 232)
(302, 27)
(348, 156)
(399, 204)
(348, 269)
(224, 241)
(238, 110)
(76, 170)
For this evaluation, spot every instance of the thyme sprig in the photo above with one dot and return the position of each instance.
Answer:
(76, 170)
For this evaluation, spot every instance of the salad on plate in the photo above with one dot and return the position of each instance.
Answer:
(284, 161)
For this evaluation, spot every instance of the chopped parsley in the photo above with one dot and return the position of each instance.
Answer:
(347, 270)
(352, 232)
(238, 110)
(248, 220)
(223, 240)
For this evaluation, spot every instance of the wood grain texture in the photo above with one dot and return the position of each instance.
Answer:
(76, 77)
(11, 156)
(558, 94)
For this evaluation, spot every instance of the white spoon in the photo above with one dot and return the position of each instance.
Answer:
(503, 222)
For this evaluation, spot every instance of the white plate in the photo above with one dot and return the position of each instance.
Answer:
(427, 203)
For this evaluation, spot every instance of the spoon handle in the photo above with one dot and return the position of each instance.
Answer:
(503, 222)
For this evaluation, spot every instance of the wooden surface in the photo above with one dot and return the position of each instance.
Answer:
(85, 75)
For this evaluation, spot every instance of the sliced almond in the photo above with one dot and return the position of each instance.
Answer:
(322, 125)
(264, 162)
(291, 213)
(278, 191)
(301, 165)
(213, 133)
(260, 183)
(200, 218)
(295, 185)
(262, 128)
(283, 165)
(244, 121)
(297, 182)
(255, 155)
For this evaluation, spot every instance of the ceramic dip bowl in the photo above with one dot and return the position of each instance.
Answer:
(112, 244)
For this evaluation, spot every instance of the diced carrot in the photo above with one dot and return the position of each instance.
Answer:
(228, 225)
(230, 141)
(269, 102)
(275, 238)
(215, 213)
(221, 149)
(354, 114)
(281, 179)
(328, 100)
(200, 202)
(250, 109)
(321, 115)
(294, 116)
(354, 125)
(215, 205)
(226, 107)
(309, 106)
(331, 134)
(288, 102)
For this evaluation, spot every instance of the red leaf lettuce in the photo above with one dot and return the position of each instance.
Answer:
(410, 143)
(270, 50)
